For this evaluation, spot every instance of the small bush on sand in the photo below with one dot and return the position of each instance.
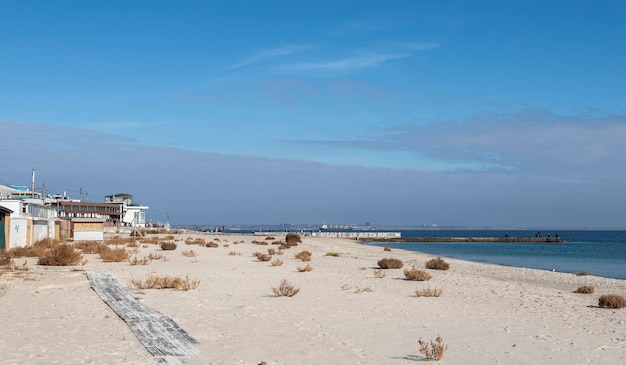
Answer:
(304, 255)
(285, 289)
(88, 247)
(305, 268)
(379, 274)
(277, 262)
(583, 273)
(270, 238)
(333, 254)
(263, 257)
(416, 274)
(429, 292)
(433, 350)
(293, 239)
(437, 264)
(118, 254)
(271, 251)
(234, 253)
(212, 244)
(387, 249)
(612, 301)
(157, 256)
(277, 243)
(390, 264)
(61, 255)
(585, 289)
(189, 253)
(197, 241)
(168, 246)
(261, 243)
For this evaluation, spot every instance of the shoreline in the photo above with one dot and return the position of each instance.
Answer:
(488, 313)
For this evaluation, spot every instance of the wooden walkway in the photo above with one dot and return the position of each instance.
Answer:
(161, 336)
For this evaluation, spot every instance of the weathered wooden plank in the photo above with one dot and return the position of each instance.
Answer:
(159, 334)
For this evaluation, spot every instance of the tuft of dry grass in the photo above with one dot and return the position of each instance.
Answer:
(260, 243)
(333, 254)
(433, 350)
(117, 240)
(429, 292)
(389, 263)
(346, 287)
(132, 244)
(305, 268)
(277, 262)
(293, 239)
(234, 253)
(157, 256)
(136, 261)
(168, 246)
(212, 244)
(285, 289)
(61, 255)
(379, 274)
(364, 290)
(612, 301)
(304, 256)
(189, 253)
(416, 274)
(164, 282)
(387, 249)
(583, 273)
(585, 289)
(271, 251)
(270, 238)
(437, 264)
(118, 254)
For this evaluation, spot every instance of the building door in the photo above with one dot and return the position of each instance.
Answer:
(3, 244)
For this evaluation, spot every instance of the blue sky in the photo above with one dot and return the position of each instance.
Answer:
(481, 113)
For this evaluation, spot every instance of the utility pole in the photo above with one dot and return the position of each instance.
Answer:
(43, 192)
(81, 193)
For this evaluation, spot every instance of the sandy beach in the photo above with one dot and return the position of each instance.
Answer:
(343, 313)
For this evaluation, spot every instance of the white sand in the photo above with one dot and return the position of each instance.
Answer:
(487, 314)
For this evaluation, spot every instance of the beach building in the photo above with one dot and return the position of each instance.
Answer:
(133, 215)
(26, 222)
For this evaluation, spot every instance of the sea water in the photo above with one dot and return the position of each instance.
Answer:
(600, 253)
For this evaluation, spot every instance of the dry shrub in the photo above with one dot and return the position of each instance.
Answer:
(416, 274)
(346, 287)
(429, 292)
(333, 254)
(304, 255)
(387, 249)
(583, 273)
(157, 256)
(169, 237)
(270, 238)
(263, 257)
(390, 263)
(285, 289)
(257, 253)
(276, 243)
(117, 254)
(38, 249)
(612, 301)
(433, 350)
(585, 289)
(154, 240)
(379, 274)
(277, 262)
(164, 282)
(305, 268)
(234, 253)
(293, 239)
(364, 290)
(61, 255)
(117, 240)
(226, 245)
(132, 244)
(189, 253)
(271, 251)
(135, 261)
(437, 264)
(261, 243)
(212, 244)
(197, 241)
(280, 252)
(168, 246)
(88, 247)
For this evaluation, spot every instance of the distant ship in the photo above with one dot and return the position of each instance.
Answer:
(337, 227)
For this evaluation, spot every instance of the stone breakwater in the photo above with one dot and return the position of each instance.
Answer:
(468, 239)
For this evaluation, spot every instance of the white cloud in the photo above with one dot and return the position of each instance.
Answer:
(268, 54)
(365, 61)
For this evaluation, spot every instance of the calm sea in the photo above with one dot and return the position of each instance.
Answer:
(601, 253)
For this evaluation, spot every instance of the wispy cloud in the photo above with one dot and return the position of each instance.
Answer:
(269, 54)
(416, 46)
(365, 61)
